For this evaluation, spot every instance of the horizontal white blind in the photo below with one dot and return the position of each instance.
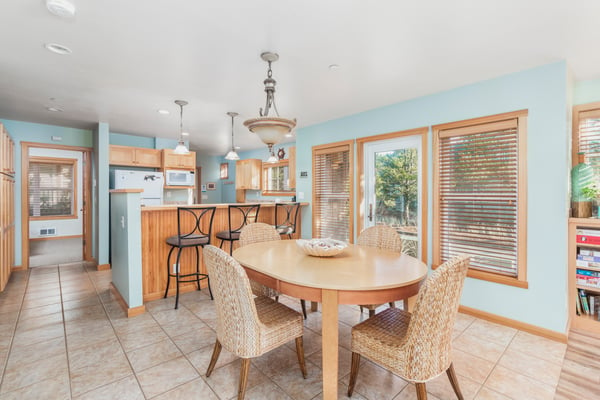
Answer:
(589, 139)
(478, 188)
(51, 189)
(332, 193)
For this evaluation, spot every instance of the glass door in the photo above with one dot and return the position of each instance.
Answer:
(393, 192)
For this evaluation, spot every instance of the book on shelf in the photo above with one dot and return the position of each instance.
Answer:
(584, 303)
(587, 278)
(590, 258)
(587, 264)
(588, 236)
(578, 305)
(589, 252)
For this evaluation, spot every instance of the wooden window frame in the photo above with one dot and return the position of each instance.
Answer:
(579, 111)
(63, 161)
(360, 144)
(265, 168)
(330, 148)
(470, 125)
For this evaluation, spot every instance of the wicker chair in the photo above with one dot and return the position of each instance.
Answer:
(417, 346)
(383, 237)
(256, 233)
(247, 326)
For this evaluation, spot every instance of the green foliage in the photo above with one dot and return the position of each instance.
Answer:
(591, 191)
(396, 184)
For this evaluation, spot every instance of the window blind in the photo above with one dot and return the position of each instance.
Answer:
(478, 195)
(332, 192)
(588, 139)
(51, 189)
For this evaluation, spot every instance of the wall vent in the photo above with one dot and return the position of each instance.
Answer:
(47, 231)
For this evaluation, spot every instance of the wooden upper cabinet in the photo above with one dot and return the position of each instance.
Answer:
(134, 156)
(7, 160)
(178, 161)
(292, 167)
(248, 174)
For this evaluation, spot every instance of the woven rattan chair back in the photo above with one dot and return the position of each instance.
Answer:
(258, 232)
(429, 334)
(382, 237)
(237, 319)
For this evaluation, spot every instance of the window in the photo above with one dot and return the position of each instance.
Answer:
(332, 191)
(52, 187)
(276, 178)
(586, 135)
(480, 195)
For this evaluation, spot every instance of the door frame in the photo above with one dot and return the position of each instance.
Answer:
(86, 192)
(360, 150)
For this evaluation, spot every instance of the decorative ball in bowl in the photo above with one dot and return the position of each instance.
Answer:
(321, 247)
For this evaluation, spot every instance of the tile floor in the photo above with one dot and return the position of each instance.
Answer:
(64, 336)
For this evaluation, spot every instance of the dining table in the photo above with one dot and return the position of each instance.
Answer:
(357, 275)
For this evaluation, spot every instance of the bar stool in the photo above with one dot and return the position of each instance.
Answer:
(247, 214)
(194, 227)
(288, 225)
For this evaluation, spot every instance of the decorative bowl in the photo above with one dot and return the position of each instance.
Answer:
(321, 247)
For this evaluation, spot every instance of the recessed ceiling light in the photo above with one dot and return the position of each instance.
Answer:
(334, 67)
(163, 111)
(185, 134)
(61, 8)
(58, 48)
(54, 109)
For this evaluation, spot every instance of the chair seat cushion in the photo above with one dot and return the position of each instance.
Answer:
(284, 229)
(277, 323)
(228, 235)
(188, 241)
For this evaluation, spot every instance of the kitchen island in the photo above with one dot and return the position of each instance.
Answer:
(160, 222)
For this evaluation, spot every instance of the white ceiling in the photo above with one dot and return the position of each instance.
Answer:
(133, 57)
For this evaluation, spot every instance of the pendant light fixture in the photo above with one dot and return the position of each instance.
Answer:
(271, 130)
(181, 148)
(232, 155)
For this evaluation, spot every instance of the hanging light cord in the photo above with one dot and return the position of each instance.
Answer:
(270, 90)
(181, 122)
(232, 146)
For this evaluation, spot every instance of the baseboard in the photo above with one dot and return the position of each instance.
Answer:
(183, 288)
(131, 312)
(512, 323)
(16, 268)
(103, 267)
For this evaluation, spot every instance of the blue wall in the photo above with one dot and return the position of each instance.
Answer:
(586, 92)
(544, 92)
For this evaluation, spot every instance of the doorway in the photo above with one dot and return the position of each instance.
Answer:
(393, 187)
(55, 201)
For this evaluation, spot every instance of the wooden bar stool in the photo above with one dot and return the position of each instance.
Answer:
(239, 216)
(287, 225)
(194, 227)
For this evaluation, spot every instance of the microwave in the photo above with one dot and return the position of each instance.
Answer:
(176, 177)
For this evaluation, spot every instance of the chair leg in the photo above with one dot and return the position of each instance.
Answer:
(421, 391)
(231, 248)
(300, 353)
(214, 358)
(353, 372)
(361, 309)
(454, 381)
(177, 273)
(243, 378)
(303, 304)
(168, 272)
(197, 267)
(221, 244)
(405, 304)
(392, 304)
(371, 313)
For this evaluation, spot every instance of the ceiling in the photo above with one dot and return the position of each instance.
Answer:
(133, 57)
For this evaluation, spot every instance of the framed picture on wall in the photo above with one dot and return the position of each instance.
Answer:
(224, 171)
(203, 188)
(211, 186)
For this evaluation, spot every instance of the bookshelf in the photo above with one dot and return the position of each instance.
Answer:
(584, 245)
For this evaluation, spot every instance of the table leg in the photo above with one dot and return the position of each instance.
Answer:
(314, 306)
(329, 311)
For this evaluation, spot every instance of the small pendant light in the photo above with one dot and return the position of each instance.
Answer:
(232, 155)
(181, 148)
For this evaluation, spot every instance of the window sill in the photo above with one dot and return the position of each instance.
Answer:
(49, 217)
(501, 279)
(282, 193)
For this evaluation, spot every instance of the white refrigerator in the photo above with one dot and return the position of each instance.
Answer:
(150, 182)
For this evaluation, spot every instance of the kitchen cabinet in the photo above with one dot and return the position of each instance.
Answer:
(134, 156)
(178, 161)
(292, 167)
(248, 174)
(7, 207)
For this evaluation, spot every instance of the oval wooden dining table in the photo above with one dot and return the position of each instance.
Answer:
(358, 275)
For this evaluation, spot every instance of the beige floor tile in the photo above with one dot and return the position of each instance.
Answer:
(479, 347)
(196, 339)
(40, 311)
(517, 386)
(93, 376)
(9, 307)
(124, 389)
(21, 355)
(344, 360)
(133, 340)
(312, 343)
(187, 323)
(541, 370)
(85, 313)
(410, 393)
(95, 334)
(90, 300)
(154, 354)
(266, 391)
(37, 335)
(224, 381)
(166, 376)
(43, 301)
(441, 387)
(56, 388)
(473, 367)
(275, 360)
(196, 389)
(375, 382)
(489, 394)
(138, 323)
(496, 333)
(172, 316)
(38, 322)
(97, 354)
(201, 358)
(22, 375)
(85, 326)
(538, 346)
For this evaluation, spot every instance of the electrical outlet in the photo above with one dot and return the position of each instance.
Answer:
(175, 268)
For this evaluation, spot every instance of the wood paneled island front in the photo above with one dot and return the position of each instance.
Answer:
(160, 222)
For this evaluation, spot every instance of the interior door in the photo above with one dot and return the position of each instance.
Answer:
(393, 192)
